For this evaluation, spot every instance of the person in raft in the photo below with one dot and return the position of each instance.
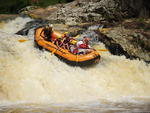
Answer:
(82, 47)
(48, 29)
(51, 35)
(65, 40)
(73, 46)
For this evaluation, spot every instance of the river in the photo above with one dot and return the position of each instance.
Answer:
(34, 81)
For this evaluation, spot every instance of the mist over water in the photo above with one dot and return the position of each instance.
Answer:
(32, 76)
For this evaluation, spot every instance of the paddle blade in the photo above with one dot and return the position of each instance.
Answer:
(104, 30)
(104, 50)
(22, 40)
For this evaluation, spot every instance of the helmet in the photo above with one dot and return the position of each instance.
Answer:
(73, 41)
(50, 25)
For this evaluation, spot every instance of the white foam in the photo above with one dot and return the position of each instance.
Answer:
(15, 25)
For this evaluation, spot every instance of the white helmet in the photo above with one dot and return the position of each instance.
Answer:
(50, 25)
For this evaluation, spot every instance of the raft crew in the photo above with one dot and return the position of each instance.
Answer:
(67, 42)
(76, 47)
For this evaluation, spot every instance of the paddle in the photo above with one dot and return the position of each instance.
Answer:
(53, 51)
(22, 40)
(104, 30)
(104, 50)
(76, 36)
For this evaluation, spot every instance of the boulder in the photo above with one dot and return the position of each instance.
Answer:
(131, 42)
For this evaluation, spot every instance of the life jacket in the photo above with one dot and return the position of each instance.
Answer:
(84, 46)
(75, 51)
(81, 47)
(55, 35)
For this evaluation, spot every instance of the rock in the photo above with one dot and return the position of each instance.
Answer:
(32, 25)
(81, 11)
(131, 43)
(135, 8)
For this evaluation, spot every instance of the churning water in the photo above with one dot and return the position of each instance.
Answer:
(40, 82)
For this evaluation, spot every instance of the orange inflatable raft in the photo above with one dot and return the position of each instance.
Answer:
(64, 54)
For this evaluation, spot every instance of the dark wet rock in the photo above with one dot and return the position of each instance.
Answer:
(23, 31)
(32, 25)
(112, 45)
(137, 25)
(131, 43)
(135, 8)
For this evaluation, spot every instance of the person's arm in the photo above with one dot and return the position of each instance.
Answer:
(62, 42)
(67, 45)
(54, 41)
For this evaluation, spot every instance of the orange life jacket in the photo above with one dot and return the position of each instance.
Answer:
(55, 35)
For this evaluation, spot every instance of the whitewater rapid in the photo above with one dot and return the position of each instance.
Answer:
(32, 76)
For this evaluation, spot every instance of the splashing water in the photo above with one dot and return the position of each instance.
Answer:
(30, 76)
(13, 26)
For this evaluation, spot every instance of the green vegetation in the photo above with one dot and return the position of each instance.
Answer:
(13, 6)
